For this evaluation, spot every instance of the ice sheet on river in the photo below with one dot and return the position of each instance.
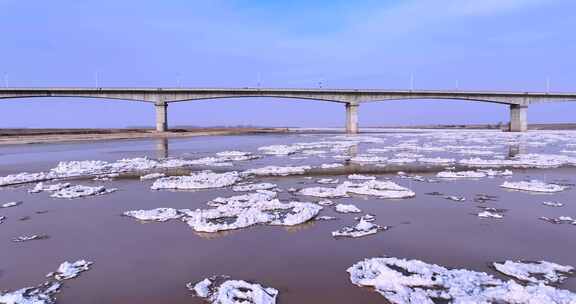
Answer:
(523, 161)
(197, 180)
(221, 290)
(46, 292)
(534, 186)
(403, 281)
(96, 168)
(535, 272)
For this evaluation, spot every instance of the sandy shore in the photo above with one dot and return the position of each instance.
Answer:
(36, 136)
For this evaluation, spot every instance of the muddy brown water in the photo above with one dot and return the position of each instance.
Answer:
(151, 262)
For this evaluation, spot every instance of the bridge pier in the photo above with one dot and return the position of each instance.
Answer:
(351, 118)
(161, 116)
(518, 118)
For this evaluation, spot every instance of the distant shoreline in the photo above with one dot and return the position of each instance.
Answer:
(16, 136)
(38, 136)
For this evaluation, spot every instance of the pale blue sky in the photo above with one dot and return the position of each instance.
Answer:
(481, 44)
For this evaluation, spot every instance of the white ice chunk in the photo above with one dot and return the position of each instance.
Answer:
(219, 290)
(363, 228)
(326, 202)
(79, 191)
(535, 272)
(40, 187)
(277, 170)
(69, 270)
(279, 150)
(45, 293)
(158, 214)
(361, 177)
(331, 166)
(403, 281)
(552, 204)
(533, 185)
(10, 204)
(152, 176)
(254, 187)
(327, 181)
(488, 214)
(197, 180)
(461, 174)
(347, 208)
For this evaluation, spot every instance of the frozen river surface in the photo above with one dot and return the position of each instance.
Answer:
(300, 218)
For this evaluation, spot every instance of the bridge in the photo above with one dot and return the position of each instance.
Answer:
(518, 102)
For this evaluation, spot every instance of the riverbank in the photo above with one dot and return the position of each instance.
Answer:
(36, 136)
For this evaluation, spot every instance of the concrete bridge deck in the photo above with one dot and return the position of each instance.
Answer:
(352, 98)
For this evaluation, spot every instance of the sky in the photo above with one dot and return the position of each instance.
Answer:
(441, 44)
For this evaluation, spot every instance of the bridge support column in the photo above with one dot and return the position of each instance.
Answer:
(518, 118)
(351, 118)
(161, 117)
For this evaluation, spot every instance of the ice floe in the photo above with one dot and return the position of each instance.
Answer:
(79, 191)
(381, 189)
(237, 212)
(368, 159)
(552, 204)
(69, 270)
(41, 187)
(46, 292)
(326, 202)
(254, 187)
(278, 171)
(455, 198)
(461, 174)
(559, 220)
(490, 214)
(197, 180)
(347, 208)
(534, 186)
(361, 177)
(436, 160)
(222, 290)
(152, 176)
(25, 238)
(403, 281)
(279, 150)
(523, 161)
(2, 219)
(10, 204)
(158, 214)
(88, 168)
(535, 272)
(327, 181)
(363, 228)
(331, 166)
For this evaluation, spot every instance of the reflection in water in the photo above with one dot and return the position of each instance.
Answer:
(352, 151)
(300, 227)
(515, 149)
(214, 235)
(162, 147)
